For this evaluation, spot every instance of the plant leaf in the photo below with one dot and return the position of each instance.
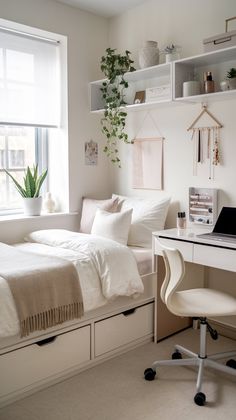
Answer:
(39, 182)
(29, 181)
(18, 186)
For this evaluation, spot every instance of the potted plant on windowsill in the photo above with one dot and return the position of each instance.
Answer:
(114, 66)
(32, 201)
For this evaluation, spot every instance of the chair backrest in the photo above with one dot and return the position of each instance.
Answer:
(175, 270)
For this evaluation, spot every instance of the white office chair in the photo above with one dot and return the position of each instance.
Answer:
(197, 303)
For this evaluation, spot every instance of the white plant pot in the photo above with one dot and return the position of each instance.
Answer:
(232, 83)
(32, 206)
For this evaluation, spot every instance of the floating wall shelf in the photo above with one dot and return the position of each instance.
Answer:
(174, 74)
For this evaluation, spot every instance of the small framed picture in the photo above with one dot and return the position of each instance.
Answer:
(139, 97)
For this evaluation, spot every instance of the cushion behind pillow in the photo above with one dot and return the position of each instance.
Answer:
(113, 226)
(89, 208)
(148, 216)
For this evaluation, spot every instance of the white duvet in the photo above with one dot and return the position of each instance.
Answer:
(106, 270)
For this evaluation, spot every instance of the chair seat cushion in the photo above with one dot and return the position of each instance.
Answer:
(202, 303)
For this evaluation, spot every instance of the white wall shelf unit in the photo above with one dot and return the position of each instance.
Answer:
(174, 74)
(139, 80)
(218, 62)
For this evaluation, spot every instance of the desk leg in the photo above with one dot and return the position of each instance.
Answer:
(166, 322)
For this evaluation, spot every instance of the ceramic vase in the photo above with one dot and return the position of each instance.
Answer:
(224, 85)
(149, 54)
(49, 203)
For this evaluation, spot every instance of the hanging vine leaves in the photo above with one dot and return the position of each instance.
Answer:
(114, 66)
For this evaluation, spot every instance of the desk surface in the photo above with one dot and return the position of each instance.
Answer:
(190, 235)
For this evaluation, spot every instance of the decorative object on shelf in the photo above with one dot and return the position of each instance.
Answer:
(32, 202)
(49, 204)
(231, 77)
(172, 52)
(139, 97)
(209, 84)
(91, 153)
(149, 54)
(224, 85)
(191, 88)
(158, 93)
(227, 39)
(202, 205)
(114, 66)
(206, 141)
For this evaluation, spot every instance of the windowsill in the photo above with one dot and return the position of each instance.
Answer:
(22, 216)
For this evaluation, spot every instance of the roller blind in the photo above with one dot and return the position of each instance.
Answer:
(29, 80)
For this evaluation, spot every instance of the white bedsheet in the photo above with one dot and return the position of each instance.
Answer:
(106, 270)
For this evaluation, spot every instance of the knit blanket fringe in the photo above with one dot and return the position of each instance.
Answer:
(50, 318)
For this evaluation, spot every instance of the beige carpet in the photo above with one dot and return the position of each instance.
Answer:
(116, 390)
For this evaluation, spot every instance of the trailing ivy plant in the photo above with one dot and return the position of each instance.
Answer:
(114, 66)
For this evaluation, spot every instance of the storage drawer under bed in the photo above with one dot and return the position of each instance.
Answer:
(29, 365)
(122, 329)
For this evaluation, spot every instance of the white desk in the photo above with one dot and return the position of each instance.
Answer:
(202, 253)
(211, 253)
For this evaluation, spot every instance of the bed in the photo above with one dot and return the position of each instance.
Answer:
(118, 314)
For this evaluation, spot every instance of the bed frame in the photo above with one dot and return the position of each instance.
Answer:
(33, 363)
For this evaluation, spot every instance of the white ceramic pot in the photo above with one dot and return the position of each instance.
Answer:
(149, 55)
(32, 206)
(191, 88)
(172, 56)
(232, 83)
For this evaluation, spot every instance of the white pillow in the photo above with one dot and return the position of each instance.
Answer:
(148, 216)
(89, 208)
(113, 226)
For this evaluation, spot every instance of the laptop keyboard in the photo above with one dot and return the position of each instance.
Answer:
(223, 238)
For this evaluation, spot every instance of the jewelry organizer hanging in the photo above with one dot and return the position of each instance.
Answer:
(206, 140)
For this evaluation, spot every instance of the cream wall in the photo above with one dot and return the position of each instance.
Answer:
(186, 23)
(87, 40)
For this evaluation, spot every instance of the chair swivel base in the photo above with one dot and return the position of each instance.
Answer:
(201, 360)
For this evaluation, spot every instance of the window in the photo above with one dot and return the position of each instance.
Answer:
(19, 147)
(29, 105)
(29, 80)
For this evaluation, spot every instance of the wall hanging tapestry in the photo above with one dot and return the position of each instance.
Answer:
(147, 158)
(147, 163)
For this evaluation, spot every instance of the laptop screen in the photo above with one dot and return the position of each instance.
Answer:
(226, 222)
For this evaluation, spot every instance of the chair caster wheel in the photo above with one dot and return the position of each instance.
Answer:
(200, 398)
(214, 335)
(149, 374)
(176, 355)
(231, 363)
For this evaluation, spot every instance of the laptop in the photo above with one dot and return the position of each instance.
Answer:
(225, 227)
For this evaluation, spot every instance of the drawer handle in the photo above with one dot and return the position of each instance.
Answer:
(46, 341)
(129, 312)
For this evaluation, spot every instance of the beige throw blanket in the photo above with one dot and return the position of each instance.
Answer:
(46, 290)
